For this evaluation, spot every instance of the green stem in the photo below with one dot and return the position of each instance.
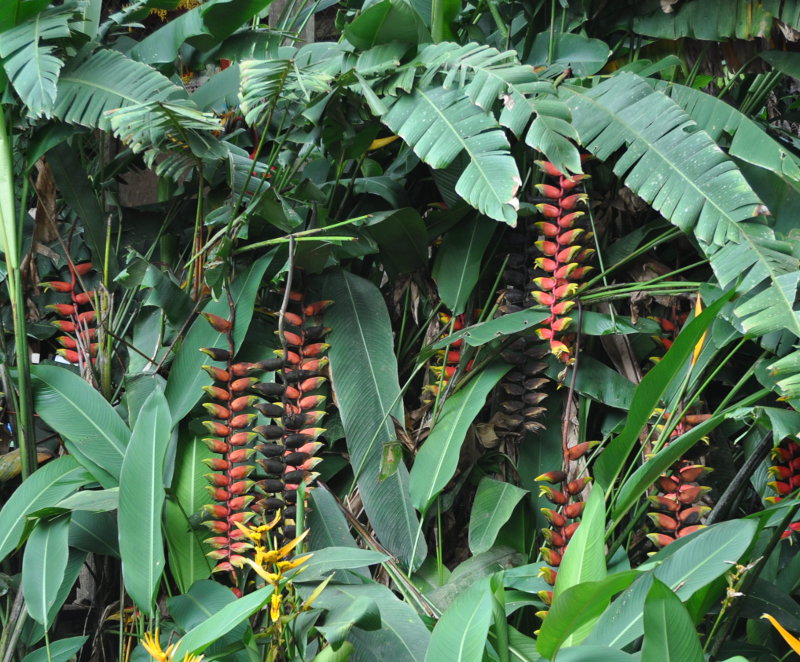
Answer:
(10, 237)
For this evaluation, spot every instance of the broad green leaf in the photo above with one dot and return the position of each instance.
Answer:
(364, 377)
(106, 80)
(552, 134)
(43, 566)
(584, 56)
(186, 377)
(480, 334)
(385, 22)
(403, 241)
(345, 613)
(92, 431)
(29, 61)
(204, 599)
(59, 651)
(704, 20)
(326, 560)
(46, 487)
(585, 559)
(141, 501)
(327, 523)
(436, 461)
(595, 654)
(703, 557)
(669, 634)
(94, 532)
(439, 124)
(650, 391)
(96, 501)
(786, 62)
(341, 654)
(75, 561)
(402, 636)
(494, 502)
(457, 264)
(460, 634)
(201, 636)
(187, 557)
(576, 607)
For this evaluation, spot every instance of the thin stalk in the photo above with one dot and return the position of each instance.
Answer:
(11, 240)
(300, 236)
(551, 46)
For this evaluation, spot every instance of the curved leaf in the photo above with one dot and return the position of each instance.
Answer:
(58, 651)
(327, 560)
(141, 500)
(364, 377)
(439, 124)
(55, 481)
(92, 431)
(494, 502)
(43, 567)
(436, 461)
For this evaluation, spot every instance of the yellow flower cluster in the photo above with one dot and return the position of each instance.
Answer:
(152, 645)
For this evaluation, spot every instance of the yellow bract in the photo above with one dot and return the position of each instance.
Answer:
(790, 639)
(152, 644)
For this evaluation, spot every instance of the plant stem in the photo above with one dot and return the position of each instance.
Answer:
(10, 236)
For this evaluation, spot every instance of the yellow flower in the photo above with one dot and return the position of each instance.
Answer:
(152, 645)
(275, 606)
(787, 636)
(256, 533)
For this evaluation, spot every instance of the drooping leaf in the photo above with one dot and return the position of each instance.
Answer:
(43, 567)
(494, 503)
(583, 55)
(92, 430)
(107, 80)
(669, 634)
(457, 265)
(704, 20)
(436, 461)
(346, 613)
(364, 377)
(58, 651)
(402, 239)
(326, 560)
(439, 124)
(46, 487)
(385, 22)
(28, 59)
(94, 532)
(141, 501)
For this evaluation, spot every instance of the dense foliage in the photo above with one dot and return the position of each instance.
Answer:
(467, 333)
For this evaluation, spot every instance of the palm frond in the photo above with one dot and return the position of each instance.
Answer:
(676, 167)
(440, 124)
(29, 61)
(107, 80)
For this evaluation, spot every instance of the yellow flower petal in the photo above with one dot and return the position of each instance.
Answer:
(381, 142)
(699, 346)
(275, 606)
(790, 639)
(271, 577)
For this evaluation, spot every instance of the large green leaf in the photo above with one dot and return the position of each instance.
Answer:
(104, 81)
(186, 377)
(92, 430)
(43, 567)
(460, 634)
(325, 561)
(187, 557)
(704, 556)
(221, 622)
(403, 241)
(457, 265)
(439, 124)
(141, 500)
(577, 606)
(345, 613)
(669, 634)
(58, 651)
(364, 377)
(704, 20)
(493, 505)
(436, 462)
(46, 487)
(94, 532)
(29, 61)
(385, 22)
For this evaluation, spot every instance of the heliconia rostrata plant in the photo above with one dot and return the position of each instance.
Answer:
(286, 448)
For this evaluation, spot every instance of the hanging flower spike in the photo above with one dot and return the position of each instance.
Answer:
(291, 441)
(78, 347)
(677, 498)
(786, 476)
(445, 362)
(564, 254)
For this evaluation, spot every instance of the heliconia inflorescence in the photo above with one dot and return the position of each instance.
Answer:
(78, 320)
(231, 438)
(785, 475)
(446, 361)
(291, 443)
(566, 496)
(677, 499)
(563, 254)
